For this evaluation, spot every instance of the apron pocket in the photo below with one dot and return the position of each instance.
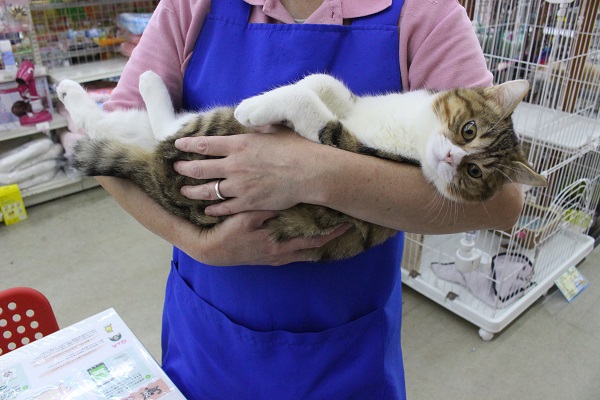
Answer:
(206, 352)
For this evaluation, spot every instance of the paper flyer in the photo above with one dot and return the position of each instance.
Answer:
(571, 283)
(97, 358)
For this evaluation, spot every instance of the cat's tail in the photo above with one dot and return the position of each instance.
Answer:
(106, 157)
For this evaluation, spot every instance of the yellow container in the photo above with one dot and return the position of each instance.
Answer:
(11, 204)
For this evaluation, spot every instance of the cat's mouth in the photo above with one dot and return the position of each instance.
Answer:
(445, 171)
(441, 153)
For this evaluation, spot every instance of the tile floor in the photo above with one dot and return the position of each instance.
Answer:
(87, 255)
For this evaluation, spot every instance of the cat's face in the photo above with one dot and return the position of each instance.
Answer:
(476, 150)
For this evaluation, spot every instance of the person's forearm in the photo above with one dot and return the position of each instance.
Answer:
(398, 196)
(147, 212)
(277, 170)
(241, 239)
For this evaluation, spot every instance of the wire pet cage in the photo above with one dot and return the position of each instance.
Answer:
(490, 277)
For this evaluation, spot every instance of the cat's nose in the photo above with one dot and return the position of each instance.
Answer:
(449, 159)
(454, 156)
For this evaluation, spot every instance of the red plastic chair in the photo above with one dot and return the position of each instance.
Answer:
(25, 316)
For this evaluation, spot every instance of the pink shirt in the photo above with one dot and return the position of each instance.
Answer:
(438, 47)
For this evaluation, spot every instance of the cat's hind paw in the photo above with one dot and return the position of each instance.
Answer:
(150, 81)
(68, 90)
(82, 109)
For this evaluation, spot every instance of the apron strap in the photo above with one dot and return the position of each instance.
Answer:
(239, 10)
(388, 16)
(236, 10)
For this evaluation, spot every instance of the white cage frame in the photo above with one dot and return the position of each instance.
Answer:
(556, 46)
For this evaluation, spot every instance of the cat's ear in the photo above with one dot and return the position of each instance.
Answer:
(509, 94)
(524, 174)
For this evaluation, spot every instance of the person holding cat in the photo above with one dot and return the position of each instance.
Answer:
(301, 330)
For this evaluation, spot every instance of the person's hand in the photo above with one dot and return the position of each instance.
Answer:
(262, 171)
(243, 240)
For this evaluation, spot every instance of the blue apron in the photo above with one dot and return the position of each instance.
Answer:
(304, 330)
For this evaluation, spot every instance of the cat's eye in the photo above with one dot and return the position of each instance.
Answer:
(469, 131)
(474, 171)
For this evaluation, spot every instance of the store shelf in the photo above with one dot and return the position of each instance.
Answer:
(58, 121)
(61, 185)
(89, 72)
(66, 43)
(10, 76)
(35, 5)
(556, 129)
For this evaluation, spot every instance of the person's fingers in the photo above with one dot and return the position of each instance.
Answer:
(256, 245)
(256, 219)
(207, 191)
(201, 169)
(302, 249)
(304, 243)
(219, 146)
(227, 207)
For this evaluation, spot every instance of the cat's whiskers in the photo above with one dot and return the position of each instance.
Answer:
(426, 85)
(495, 125)
(441, 207)
(486, 210)
(432, 205)
(507, 177)
(504, 115)
(454, 210)
(458, 207)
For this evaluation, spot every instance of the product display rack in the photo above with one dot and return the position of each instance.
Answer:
(77, 40)
(62, 185)
(89, 72)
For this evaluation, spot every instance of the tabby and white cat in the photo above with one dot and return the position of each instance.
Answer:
(463, 139)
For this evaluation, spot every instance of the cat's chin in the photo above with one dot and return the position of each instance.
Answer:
(438, 173)
(444, 190)
(442, 180)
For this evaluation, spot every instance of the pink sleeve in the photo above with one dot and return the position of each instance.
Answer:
(165, 48)
(438, 47)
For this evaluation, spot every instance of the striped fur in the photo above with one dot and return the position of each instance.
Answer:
(496, 149)
(151, 166)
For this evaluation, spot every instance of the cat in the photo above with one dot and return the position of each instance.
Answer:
(463, 140)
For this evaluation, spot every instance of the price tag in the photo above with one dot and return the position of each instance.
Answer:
(571, 283)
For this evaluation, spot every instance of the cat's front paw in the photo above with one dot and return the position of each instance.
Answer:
(264, 109)
(250, 112)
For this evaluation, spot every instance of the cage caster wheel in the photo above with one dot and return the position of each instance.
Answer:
(485, 335)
